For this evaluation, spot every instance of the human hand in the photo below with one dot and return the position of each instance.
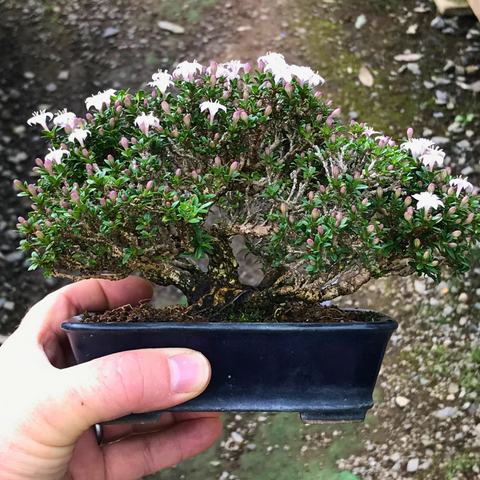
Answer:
(47, 406)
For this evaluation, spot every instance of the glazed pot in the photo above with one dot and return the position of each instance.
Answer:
(325, 371)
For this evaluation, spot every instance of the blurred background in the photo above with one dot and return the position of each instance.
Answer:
(391, 64)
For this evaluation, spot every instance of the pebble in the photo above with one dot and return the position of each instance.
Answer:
(463, 297)
(420, 287)
(14, 257)
(110, 32)
(261, 418)
(463, 321)
(237, 437)
(464, 145)
(397, 466)
(353, 115)
(467, 171)
(440, 140)
(412, 465)
(395, 457)
(450, 65)
(171, 27)
(473, 33)
(426, 464)
(224, 476)
(9, 305)
(438, 23)
(63, 75)
(51, 87)
(427, 132)
(445, 413)
(428, 84)
(453, 388)
(402, 401)
(251, 446)
(442, 97)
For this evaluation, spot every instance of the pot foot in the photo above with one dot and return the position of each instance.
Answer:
(148, 417)
(338, 416)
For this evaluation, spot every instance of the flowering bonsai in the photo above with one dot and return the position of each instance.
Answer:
(153, 182)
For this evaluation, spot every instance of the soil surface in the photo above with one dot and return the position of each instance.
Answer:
(425, 71)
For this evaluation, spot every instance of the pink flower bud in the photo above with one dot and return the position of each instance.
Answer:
(431, 188)
(235, 118)
(380, 192)
(291, 220)
(333, 139)
(310, 243)
(315, 214)
(469, 219)
(118, 111)
(103, 202)
(213, 68)
(18, 184)
(364, 201)
(451, 211)
(261, 66)
(168, 205)
(456, 233)
(410, 133)
(166, 107)
(343, 190)
(225, 95)
(283, 209)
(465, 201)
(408, 201)
(233, 168)
(408, 217)
(111, 122)
(247, 67)
(124, 143)
(195, 176)
(244, 116)
(391, 143)
(319, 118)
(259, 104)
(245, 95)
(370, 229)
(336, 112)
(311, 196)
(218, 162)
(329, 122)
(289, 90)
(329, 103)
(124, 197)
(85, 153)
(335, 172)
(33, 191)
(154, 94)
(321, 231)
(356, 176)
(354, 209)
(322, 189)
(416, 243)
(452, 244)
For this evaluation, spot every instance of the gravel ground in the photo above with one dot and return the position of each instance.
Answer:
(425, 71)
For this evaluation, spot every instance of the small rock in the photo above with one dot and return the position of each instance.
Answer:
(395, 457)
(463, 297)
(473, 33)
(428, 84)
(459, 70)
(29, 75)
(440, 140)
(426, 464)
(412, 465)
(450, 65)
(442, 97)
(462, 321)
(471, 69)
(110, 32)
(438, 23)
(19, 157)
(402, 401)
(477, 429)
(251, 446)
(450, 397)
(9, 305)
(442, 81)
(455, 127)
(51, 87)
(397, 467)
(237, 437)
(353, 115)
(261, 418)
(445, 413)
(467, 171)
(19, 130)
(412, 29)
(360, 21)
(224, 476)
(408, 57)
(464, 145)
(414, 68)
(171, 27)
(215, 463)
(448, 31)
(453, 388)
(420, 286)
(438, 114)
(14, 257)
(63, 75)
(427, 132)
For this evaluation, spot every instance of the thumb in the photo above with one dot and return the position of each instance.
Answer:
(131, 382)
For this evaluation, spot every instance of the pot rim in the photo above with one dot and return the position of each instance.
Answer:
(385, 323)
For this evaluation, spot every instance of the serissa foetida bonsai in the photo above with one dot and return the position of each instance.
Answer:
(324, 207)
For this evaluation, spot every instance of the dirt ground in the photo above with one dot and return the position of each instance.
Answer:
(426, 422)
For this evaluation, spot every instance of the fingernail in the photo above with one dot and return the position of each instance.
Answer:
(189, 373)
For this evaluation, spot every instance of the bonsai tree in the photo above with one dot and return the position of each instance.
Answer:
(153, 182)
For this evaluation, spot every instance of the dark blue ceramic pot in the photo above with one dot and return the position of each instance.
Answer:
(327, 371)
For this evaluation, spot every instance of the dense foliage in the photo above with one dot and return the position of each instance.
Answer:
(155, 181)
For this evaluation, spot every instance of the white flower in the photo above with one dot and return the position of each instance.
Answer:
(432, 156)
(56, 155)
(369, 131)
(161, 80)
(144, 122)
(427, 200)
(80, 135)
(272, 57)
(461, 184)
(417, 146)
(98, 100)
(40, 118)
(233, 68)
(306, 75)
(187, 70)
(213, 108)
(64, 118)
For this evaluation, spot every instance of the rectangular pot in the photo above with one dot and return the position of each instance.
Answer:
(325, 371)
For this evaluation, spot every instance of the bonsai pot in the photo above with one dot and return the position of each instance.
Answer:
(325, 371)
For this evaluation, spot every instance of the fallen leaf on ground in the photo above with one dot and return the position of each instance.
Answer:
(366, 77)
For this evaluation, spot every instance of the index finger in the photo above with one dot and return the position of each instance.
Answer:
(44, 319)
